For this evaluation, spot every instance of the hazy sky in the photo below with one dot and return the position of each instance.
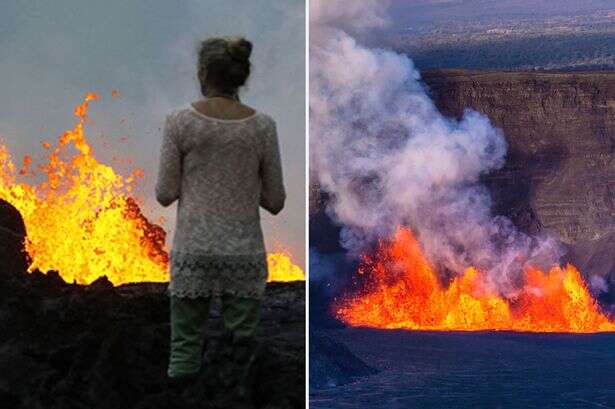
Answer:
(52, 52)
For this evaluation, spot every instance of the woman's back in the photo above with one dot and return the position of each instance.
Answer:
(221, 170)
(221, 164)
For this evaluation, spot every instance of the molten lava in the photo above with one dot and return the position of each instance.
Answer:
(82, 221)
(282, 269)
(402, 290)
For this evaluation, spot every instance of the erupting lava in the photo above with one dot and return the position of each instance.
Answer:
(281, 268)
(82, 221)
(403, 291)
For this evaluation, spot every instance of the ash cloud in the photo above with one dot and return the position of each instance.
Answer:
(388, 158)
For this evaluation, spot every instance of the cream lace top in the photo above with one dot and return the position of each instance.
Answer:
(220, 171)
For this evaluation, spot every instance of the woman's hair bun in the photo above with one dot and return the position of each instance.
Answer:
(239, 48)
(225, 61)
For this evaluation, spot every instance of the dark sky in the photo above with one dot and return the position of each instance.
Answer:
(52, 52)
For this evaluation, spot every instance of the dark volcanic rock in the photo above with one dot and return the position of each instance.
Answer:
(12, 237)
(70, 346)
(560, 129)
(332, 363)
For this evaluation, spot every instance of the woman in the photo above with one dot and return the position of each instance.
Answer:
(220, 159)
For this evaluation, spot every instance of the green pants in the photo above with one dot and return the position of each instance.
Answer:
(188, 322)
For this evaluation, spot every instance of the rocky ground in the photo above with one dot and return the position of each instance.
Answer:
(98, 346)
(332, 363)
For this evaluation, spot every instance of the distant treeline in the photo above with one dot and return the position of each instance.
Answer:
(562, 52)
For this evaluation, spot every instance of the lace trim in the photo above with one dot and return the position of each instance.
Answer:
(195, 276)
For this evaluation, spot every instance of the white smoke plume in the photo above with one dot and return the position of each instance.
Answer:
(387, 157)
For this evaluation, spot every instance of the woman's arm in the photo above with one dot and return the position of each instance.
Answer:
(272, 184)
(168, 186)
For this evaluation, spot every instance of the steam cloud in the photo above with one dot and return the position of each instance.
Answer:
(387, 157)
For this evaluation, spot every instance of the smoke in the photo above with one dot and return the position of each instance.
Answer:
(388, 158)
(349, 15)
(323, 268)
(598, 284)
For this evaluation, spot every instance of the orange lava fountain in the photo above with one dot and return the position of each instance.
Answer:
(282, 269)
(82, 221)
(403, 292)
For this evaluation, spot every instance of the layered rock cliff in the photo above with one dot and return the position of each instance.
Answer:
(560, 171)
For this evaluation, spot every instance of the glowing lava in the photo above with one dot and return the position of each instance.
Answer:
(282, 269)
(82, 221)
(403, 291)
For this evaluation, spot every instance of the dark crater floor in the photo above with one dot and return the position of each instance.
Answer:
(474, 370)
(70, 346)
